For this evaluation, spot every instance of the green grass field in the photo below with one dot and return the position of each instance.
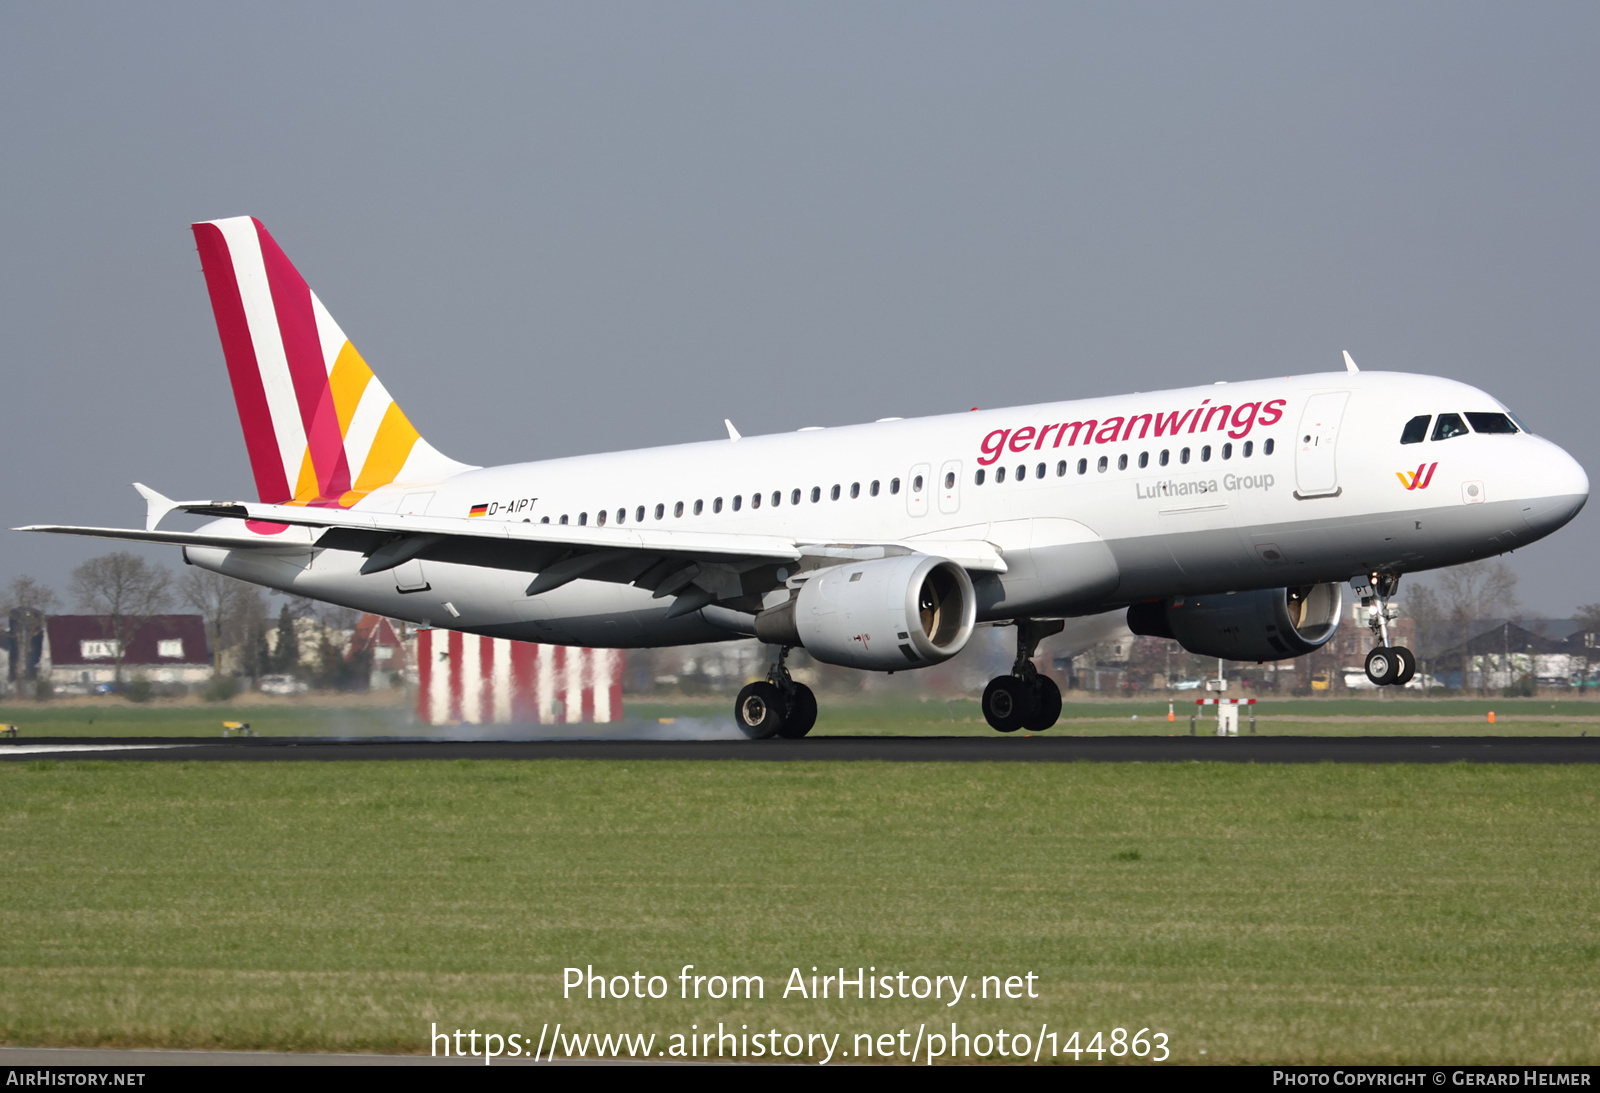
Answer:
(1326, 913)
(856, 715)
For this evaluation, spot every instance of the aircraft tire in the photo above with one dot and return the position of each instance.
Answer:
(1047, 705)
(802, 713)
(1408, 665)
(1008, 702)
(759, 711)
(1382, 666)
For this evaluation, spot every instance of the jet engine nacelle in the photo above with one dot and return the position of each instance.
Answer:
(1269, 624)
(884, 615)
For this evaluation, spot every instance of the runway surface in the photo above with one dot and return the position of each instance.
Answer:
(900, 749)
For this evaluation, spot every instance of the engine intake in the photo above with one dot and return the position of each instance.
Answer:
(1268, 624)
(884, 615)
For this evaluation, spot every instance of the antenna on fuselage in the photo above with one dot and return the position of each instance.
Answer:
(733, 434)
(1350, 362)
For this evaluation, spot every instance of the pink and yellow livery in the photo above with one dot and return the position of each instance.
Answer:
(320, 428)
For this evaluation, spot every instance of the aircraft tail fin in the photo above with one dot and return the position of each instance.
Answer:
(320, 428)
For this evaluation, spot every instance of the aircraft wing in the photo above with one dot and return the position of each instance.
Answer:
(697, 567)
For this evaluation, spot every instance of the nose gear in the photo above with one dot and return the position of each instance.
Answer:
(1387, 665)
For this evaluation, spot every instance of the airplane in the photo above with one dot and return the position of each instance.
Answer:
(1224, 516)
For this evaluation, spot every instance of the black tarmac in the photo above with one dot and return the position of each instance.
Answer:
(897, 749)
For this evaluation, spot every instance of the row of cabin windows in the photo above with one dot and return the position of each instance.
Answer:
(1246, 450)
(795, 496)
(1449, 425)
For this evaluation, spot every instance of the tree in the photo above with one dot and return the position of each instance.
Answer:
(1588, 637)
(26, 603)
(286, 653)
(228, 606)
(1462, 596)
(124, 590)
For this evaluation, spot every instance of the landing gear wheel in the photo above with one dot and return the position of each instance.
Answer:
(802, 713)
(1008, 703)
(759, 711)
(1047, 708)
(1408, 665)
(1382, 666)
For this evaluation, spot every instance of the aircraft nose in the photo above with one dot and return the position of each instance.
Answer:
(1563, 489)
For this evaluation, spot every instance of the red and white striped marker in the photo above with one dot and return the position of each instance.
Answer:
(465, 678)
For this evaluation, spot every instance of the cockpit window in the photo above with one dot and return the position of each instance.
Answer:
(1449, 425)
(1416, 430)
(1490, 423)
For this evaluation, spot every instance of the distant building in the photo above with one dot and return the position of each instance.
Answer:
(391, 665)
(78, 652)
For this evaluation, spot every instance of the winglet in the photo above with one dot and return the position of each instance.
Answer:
(156, 506)
(733, 434)
(1350, 362)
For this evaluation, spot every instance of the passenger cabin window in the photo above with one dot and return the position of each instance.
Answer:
(1165, 456)
(1083, 466)
(999, 474)
(677, 510)
(622, 516)
(1416, 430)
(916, 484)
(1038, 472)
(1249, 446)
(716, 505)
(1490, 423)
(1183, 456)
(1144, 460)
(1022, 472)
(1103, 464)
(699, 507)
(583, 519)
(833, 494)
(1122, 462)
(777, 498)
(600, 518)
(1227, 451)
(661, 510)
(737, 501)
(894, 486)
(1061, 468)
(1267, 445)
(874, 488)
(794, 497)
(1449, 425)
(755, 500)
(638, 515)
(977, 478)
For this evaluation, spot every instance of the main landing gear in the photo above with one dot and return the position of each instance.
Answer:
(777, 706)
(1387, 665)
(1024, 699)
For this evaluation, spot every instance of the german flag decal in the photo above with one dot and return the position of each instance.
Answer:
(479, 510)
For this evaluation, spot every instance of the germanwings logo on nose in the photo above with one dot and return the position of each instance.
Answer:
(1417, 479)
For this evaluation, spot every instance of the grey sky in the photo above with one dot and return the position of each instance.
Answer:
(559, 229)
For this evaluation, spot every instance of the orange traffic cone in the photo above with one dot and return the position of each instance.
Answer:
(1171, 716)
(1491, 717)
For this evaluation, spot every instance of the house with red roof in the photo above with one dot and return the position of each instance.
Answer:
(79, 652)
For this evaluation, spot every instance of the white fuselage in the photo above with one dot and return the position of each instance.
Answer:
(1299, 480)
